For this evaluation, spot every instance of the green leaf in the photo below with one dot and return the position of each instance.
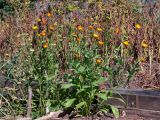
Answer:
(81, 69)
(105, 110)
(69, 102)
(115, 111)
(100, 81)
(79, 91)
(66, 86)
(79, 105)
(103, 96)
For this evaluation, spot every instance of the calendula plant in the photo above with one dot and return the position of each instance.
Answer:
(83, 82)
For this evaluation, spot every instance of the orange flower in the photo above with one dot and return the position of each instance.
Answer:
(117, 30)
(49, 14)
(43, 33)
(95, 35)
(100, 43)
(80, 28)
(98, 61)
(137, 26)
(90, 27)
(45, 45)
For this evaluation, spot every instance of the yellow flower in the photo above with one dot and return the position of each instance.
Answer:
(144, 44)
(137, 26)
(38, 35)
(34, 27)
(98, 61)
(100, 43)
(49, 14)
(38, 20)
(95, 35)
(126, 43)
(99, 29)
(80, 28)
(45, 45)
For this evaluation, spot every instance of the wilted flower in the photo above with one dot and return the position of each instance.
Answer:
(77, 55)
(142, 59)
(44, 21)
(91, 19)
(51, 27)
(78, 39)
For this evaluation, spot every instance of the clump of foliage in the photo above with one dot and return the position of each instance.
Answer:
(66, 52)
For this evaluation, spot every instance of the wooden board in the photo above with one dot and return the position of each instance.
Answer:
(139, 98)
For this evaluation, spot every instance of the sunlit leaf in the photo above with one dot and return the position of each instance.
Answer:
(115, 111)
(103, 96)
(69, 102)
(66, 86)
(79, 105)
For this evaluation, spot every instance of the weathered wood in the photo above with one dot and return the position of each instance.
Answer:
(139, 92)
(148, 114)
(140, 99)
